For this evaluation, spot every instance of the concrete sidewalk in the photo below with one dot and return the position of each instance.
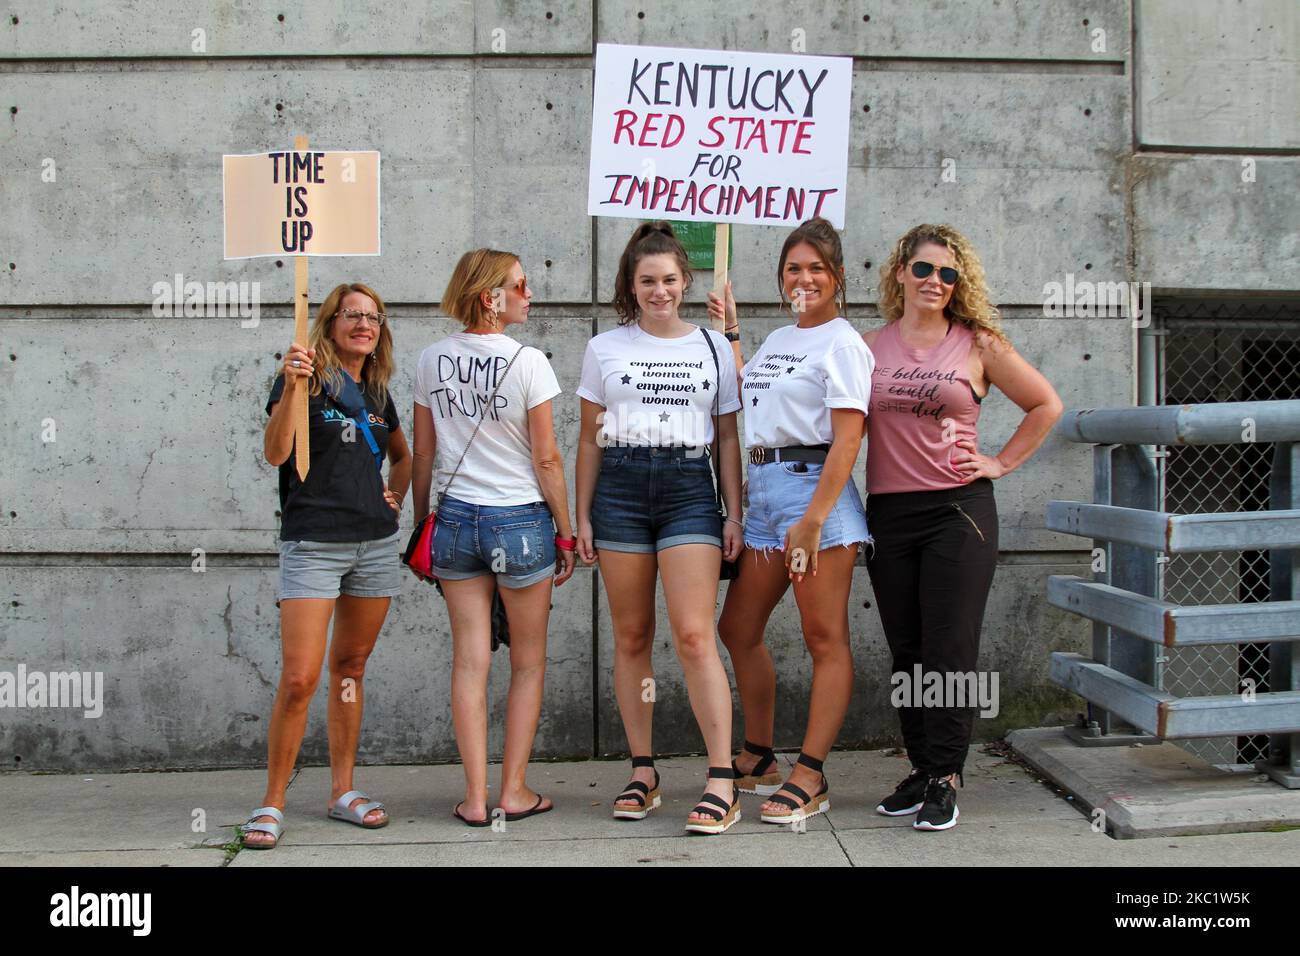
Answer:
(147, 819)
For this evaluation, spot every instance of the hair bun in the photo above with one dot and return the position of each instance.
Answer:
(649, 228)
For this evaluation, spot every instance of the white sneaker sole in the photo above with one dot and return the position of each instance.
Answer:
(919, 825)
(900, 813)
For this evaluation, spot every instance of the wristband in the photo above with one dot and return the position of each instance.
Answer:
(736, 521)
(565, 544)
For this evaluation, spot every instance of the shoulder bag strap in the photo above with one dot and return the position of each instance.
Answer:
(717, 398)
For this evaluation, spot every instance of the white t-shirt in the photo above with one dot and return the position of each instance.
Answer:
(797, 377)
(658, 391)
(454, 380)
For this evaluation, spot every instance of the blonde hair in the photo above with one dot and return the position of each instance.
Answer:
(969, 303)
(479, 271)
(378, 367)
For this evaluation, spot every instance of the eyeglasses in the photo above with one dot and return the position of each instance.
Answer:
(355, 316)
(947, 274)
(521, 286)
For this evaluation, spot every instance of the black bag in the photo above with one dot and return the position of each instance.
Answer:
(730, 569)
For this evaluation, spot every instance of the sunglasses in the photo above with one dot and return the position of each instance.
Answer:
(947, 274)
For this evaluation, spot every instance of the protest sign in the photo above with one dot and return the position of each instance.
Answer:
(719, 136)
(302, 204)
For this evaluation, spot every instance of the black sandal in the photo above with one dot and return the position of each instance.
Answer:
(720, 813)
(809, 805)
(765, 778)
(647, 798)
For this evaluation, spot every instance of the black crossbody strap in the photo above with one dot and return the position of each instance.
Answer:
(717, 398)
(491, 398)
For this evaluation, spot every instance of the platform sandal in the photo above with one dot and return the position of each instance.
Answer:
(809, 805)
(721, 814)
(646, 797)
(765, 778)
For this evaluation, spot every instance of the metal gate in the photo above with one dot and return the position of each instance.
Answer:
(1221, 351)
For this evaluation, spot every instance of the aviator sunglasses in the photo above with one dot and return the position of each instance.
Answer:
(947, 274)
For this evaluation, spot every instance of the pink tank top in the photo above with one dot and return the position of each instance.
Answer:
(921, 405)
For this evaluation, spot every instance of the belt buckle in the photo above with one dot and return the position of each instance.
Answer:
(756, 456)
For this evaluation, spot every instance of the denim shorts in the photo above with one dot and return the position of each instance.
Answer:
(514, 542)
(650, 498)
(779, 495)
(323, 569)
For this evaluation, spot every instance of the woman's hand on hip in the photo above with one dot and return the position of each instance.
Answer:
(971, 464)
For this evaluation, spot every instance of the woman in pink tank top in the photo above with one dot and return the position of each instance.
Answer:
(930, 500)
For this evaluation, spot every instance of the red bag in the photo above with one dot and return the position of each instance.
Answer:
(419, 549)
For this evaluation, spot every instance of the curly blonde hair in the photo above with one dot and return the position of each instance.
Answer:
(969, 303)
(378, 368)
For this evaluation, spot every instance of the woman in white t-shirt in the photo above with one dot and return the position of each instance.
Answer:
(805, 396)
(651, 391)
(483, 416)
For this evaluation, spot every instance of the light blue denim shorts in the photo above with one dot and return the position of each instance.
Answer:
(514, 542)
(779, 495)
(324, 569)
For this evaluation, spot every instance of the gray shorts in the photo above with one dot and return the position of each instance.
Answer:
(323, 569)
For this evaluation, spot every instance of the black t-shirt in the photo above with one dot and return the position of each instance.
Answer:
(343, 497)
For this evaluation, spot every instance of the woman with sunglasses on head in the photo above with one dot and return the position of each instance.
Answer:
(339, 542)
(930, 490)
(805, 398)
(651, 391)
(483, 413)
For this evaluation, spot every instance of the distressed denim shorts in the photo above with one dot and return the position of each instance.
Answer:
(514, 542)
(779, 495)
(651, 498)
(324, 569)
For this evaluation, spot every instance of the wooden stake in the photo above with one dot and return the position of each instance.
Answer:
(301, 425)
(721, 242)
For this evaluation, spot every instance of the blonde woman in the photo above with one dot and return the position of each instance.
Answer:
(483, 415)
(930, 490)
(339, 542)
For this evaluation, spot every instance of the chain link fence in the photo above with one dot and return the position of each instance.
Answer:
(1221, 351)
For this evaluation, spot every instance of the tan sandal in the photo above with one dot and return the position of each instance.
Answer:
(722, 815)
(647, 798)
(809, 805)
(765, 778)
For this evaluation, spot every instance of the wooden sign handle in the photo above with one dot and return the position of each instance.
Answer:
(721, 244)
(301, 425)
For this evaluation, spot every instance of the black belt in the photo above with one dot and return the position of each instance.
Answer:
(814, 454)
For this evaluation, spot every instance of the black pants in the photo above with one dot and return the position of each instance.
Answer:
(935, 553)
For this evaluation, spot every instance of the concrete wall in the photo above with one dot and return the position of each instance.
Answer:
(158, 420)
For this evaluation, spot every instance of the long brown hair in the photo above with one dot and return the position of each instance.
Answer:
(648, 239)
(969, 303)
(378, 367)
(821, 235)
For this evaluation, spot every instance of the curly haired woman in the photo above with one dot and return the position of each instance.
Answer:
(930, 490)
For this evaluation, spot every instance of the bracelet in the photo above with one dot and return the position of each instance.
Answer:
(736, 521)
(565, 544)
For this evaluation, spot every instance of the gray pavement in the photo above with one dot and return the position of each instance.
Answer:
(1008, 817)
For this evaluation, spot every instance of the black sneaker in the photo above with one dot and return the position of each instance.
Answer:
(940, 809)
(907, 797)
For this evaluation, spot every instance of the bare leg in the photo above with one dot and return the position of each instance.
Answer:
(630, 586)
(824, 609)
(690, 576)
(357, 621)
(469, 604)
(304, 623)
(751, 599)
(528, 610)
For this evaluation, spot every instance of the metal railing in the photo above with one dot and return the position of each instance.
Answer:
(1133, 625)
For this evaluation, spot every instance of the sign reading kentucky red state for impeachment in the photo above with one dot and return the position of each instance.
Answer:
(304, 203)
(718, 136)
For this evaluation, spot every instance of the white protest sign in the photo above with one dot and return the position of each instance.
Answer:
(719, 136)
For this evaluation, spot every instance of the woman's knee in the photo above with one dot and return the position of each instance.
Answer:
(695, 642)
(634, 639)
(297, 687)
